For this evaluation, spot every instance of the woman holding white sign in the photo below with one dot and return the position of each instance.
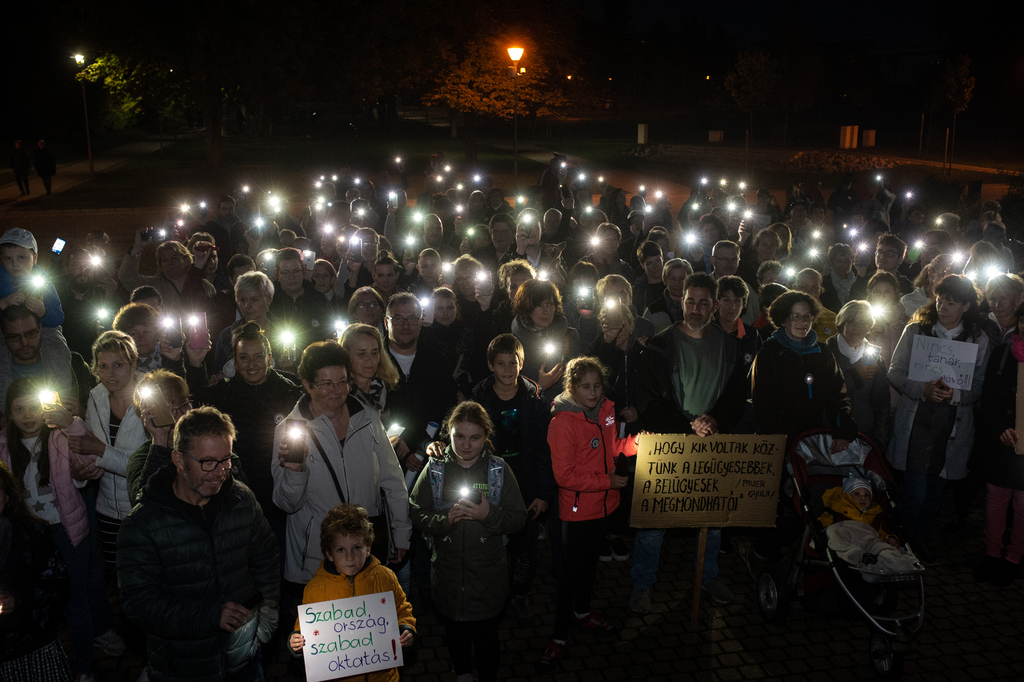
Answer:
(934, 425)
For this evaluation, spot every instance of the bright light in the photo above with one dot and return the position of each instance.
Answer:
(328, 228)
(180, 223)
(259, 222)
(319, 201)
(722, 182)
(919, 244)
(439, 178)
(743, 185)
(862, 247)
(690, 238)
(582, 177)
(657, 195)
(549, 348)
(334, 177)
(447, 169)
(588, 209)
(564, 164)
(910, 195)
(748, 214)
(459, 186)
(245, 188)
(582, 291)
(522, 200)
(542, 275)
(101, 314)
(38, 281)
(417, 216)
(167, 322)
(481, 277)
(146, 392)
(648, 208)
(515, 53)
(812, 252)
(295, 433)
(202, 204)
(458, 208)
(476, 178)
(958, 257)
(992, 271)
(816, 234)
(318, 184)
(878, 178)
(703, 181)
(96, 261)
(288, 339)
(526, 218)
(600, 178)
(446, 267)
(972, 275)
(790, 272)
(424, 302)
(356, 181)
(469, 232)
(877, 311)
(184, 207)
(871, 351)
(47, 397)
(275, 203)
(398, 159)
(731, 206)
(79, 59)
(642, 188)
(610, 303)
(464, 492)
(193, 320)
(595, 241)
(340, 326)
(355, 241)
(360, 212)
(161, 233)
(410, 240)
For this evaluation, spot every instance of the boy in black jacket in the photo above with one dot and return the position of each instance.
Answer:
(520, 416)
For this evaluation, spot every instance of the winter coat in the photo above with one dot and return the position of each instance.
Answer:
(869, 400)
(425, 395)
(177, 564)
(839, 506)
(56, 359)
(539, 481)
(469, 564)
(35, 575)
(255, 411)
(308, 316)
(583, 453)
(365, 465)
(992, 461)
(961, 440)
(328, 585)
(112, 500)
(66, 497)
(785, 403)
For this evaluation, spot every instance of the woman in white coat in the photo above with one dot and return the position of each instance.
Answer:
(116, 431)
(338, 452)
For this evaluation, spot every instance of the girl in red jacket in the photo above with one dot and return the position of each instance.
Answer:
(583, 441)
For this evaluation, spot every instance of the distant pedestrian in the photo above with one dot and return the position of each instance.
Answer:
(46, 165)
(20, 164)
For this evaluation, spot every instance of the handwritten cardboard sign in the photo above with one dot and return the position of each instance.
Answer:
(952, 361)
(352, 636)
(725, 480)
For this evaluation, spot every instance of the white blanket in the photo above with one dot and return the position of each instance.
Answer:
(851, 540)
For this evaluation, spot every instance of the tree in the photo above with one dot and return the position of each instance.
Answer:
(134, 86)
(752, 83)
(958, 87)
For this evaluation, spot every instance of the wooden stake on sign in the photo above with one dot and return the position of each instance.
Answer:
(698, 576)
(1019, 423)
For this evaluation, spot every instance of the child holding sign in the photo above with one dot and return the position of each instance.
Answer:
(349, 570)
(467, 502)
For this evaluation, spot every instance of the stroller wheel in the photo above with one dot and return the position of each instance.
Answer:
(888, 663)
(772, 596)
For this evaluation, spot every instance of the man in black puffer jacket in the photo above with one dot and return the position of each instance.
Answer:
(197, 563)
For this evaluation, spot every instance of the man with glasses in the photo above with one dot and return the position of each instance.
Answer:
(197, 562)
(298, 308)
(692, 380)
(426, 388)
(32, 350)
(889, 255)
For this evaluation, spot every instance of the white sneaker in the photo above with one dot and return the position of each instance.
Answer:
(111, 642)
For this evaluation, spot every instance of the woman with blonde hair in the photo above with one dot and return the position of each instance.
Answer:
(373, 371)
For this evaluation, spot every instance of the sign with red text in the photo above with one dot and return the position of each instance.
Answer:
(352, 636)
(718, 481)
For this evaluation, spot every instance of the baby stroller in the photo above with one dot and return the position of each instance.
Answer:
(816, 567)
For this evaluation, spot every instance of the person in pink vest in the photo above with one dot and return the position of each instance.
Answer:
(35, 446)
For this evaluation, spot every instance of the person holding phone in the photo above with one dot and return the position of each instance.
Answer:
(928, 413)
(468, 501)
(179, 278)
(155, 342)
(548, 340)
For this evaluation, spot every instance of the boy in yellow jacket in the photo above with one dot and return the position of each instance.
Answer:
(349, 570)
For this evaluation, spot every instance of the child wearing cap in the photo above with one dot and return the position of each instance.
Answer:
(21, 283)
(854, 527)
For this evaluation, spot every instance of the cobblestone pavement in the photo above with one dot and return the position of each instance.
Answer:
(971, 631)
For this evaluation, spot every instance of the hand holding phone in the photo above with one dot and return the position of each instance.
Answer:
(198, 331)
(295, 436)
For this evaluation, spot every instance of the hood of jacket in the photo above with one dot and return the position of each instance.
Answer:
(564, 403)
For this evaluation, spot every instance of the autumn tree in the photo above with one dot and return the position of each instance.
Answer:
(752, 83)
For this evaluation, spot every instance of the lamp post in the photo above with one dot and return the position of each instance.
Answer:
(80, 60)
(516, 53)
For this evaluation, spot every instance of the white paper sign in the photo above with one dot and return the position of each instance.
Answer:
(952, 361)
(352, 636)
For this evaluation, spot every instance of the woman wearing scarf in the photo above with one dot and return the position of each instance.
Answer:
(864, 371)
(797, 385)
(934, 426)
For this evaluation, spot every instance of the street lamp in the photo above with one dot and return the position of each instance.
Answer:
(80, 60)
(516, 53)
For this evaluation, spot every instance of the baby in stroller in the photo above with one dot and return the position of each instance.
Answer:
(855, 533)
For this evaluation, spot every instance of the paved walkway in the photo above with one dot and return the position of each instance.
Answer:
(971, 631)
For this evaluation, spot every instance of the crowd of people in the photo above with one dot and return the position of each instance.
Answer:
(373, 393)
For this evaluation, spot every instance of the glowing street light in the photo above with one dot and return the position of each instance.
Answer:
(515, 54)
(80, 61)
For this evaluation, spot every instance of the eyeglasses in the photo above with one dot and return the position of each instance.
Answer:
(404, 321)
(27, 336)
(181, 407)
(797, 317)
(212, 464)
(330, 385)
(372, 305)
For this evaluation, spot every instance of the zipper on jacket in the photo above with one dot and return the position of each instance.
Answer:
(576, 503)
